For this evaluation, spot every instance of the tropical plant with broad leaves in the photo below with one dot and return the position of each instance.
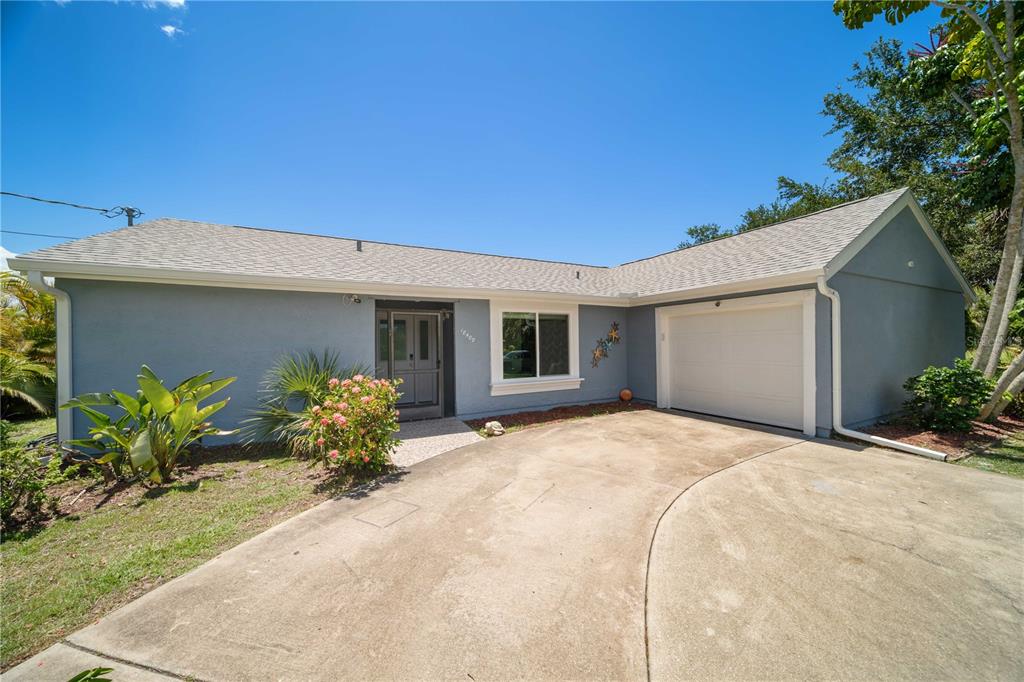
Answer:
(27, 381)
(293, 384)
(27, 346)
(156, 426)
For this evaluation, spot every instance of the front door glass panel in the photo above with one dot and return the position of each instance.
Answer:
(408, 348)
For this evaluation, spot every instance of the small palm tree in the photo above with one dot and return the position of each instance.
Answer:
(27, 381)
(295, 381)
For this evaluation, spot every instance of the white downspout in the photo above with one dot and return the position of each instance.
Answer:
(837, 389)
(63, 314)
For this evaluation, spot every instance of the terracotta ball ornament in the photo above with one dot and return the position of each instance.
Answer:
(625, 395)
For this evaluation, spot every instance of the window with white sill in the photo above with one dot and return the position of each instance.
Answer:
(534, 349)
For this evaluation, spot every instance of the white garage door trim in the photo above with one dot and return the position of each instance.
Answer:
(805, 297)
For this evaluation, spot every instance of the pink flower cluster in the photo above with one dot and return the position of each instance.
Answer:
(355, 422)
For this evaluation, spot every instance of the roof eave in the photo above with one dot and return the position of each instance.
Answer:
(231, 280)
(792, 279)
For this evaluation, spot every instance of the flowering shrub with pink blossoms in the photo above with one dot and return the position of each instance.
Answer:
(353, 426)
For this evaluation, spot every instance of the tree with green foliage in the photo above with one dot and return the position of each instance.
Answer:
(977, 64)
(703, 233)
(28, 342)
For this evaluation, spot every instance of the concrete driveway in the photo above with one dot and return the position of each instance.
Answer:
(627, 546)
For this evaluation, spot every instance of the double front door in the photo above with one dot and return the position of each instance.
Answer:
(409, 348)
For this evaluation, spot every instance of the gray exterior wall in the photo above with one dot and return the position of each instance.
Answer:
(182, 330)
(643, 352)
(896, 319)
(473, 363)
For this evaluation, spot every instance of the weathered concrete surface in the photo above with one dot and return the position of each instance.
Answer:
(525, 556)
(521, 556)
(820, 562)
(62, 662)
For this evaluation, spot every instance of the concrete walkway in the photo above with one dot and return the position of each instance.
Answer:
(526, 556)
(430, 438)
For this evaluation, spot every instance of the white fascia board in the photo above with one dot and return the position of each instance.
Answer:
(113, 273)
(214, 279)
(803, 277)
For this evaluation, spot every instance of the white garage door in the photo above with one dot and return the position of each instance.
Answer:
(744, 364)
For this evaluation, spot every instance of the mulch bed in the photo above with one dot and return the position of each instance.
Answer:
(957, 445)
(520, 420)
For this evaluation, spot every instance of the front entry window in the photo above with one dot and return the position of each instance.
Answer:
(534, 345)
(519, 345)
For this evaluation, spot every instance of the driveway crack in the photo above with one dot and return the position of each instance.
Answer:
(133, 664)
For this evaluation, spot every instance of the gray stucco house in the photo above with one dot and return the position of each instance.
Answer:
(746, 327)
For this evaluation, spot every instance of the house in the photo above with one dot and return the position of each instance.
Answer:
(745, 327)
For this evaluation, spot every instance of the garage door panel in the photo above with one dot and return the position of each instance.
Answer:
(765, 380)
(702, 347)
(779, 347)
(743, 364)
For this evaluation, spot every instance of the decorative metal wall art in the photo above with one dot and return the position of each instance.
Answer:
(601, 350)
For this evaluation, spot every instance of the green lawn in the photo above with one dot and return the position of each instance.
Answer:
(30, 429)
(1006, 457)
(64, 576)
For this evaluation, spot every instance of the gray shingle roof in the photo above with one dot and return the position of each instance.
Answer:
(797, 245)
(205, 248)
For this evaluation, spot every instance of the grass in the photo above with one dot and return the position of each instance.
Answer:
(63, 576)
(30, 429)
(1005, 457)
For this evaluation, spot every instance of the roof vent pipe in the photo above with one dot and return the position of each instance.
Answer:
(577, 274)
(359, 245)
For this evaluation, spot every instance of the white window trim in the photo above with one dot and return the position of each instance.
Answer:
(804, 297)
(561, 382)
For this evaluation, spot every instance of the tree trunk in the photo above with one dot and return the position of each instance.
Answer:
(1011, 392)
(990, 347)
(1012, 372)
(997, 310)
(1004, 319)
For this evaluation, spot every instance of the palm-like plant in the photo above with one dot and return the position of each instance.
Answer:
(27, 381)
(294, 382)
(27, 347)
(157, 425)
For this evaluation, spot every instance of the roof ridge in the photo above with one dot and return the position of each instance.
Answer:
(761, 227)
(375, 241)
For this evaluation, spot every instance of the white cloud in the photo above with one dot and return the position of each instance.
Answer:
(152, 4)
(171, 31)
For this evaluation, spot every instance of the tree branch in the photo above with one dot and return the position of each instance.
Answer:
(959, 99)
(1002, 89)
(982, 24)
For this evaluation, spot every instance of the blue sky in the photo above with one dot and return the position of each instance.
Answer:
(589, 132)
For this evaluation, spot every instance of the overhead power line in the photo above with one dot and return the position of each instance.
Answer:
(129, 211)
(36, 234)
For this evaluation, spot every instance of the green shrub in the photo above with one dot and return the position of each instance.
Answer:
(156, 426)
(354, 424)
(293, 384)
(24, 480)
(947, 398)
